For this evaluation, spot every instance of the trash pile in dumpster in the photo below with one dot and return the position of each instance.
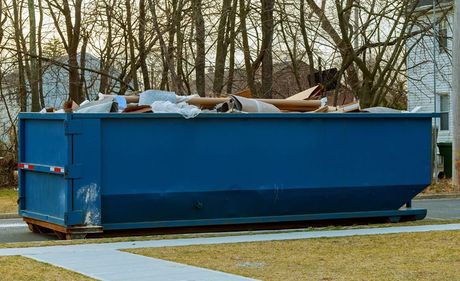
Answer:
(158, 101)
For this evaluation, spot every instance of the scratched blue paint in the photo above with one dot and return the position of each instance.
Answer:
(160, 170)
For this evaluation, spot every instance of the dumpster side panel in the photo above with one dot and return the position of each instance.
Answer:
(45, 142)
(42, 191)
(172, 171)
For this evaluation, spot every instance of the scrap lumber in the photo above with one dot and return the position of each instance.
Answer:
(310, 93)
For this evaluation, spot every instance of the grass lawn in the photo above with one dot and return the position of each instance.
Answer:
(409, 256)
(8, 200)
(18, 268)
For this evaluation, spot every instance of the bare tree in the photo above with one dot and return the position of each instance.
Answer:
(70, 37)
(17, 24)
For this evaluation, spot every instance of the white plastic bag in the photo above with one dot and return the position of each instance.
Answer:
(150, 96)
(183, 108)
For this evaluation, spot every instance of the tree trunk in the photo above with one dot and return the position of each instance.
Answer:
(180, 57)
(40, 55)
(221, 51)
(132, 56)
(246, 50)
(21, 72)
(83, 66)
(267, 41)
(33, 79)
(200, 48)
(307, 45)
(232, 39)
(142, 45)
(105, 59)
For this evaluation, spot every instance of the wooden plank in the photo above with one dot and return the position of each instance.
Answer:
(62, 229)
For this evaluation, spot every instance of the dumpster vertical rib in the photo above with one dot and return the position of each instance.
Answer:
(21, 159)
(69, 161)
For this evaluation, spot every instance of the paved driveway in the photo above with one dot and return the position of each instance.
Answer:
(442, 209)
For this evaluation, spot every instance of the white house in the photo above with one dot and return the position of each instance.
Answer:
(429, 65)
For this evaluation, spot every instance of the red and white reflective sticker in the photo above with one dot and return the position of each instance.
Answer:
(26, 166)
(57, 169)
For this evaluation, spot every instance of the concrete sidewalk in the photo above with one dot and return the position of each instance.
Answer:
(121, 266)
(106, 262)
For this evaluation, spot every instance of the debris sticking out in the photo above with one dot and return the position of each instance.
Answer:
(182, 108)
(150, 96)
(381, 110)
(101, 106)
(156, 101)
(241, 104)
(70, 106)
(314, 93)
(350, 107)
(137, 109)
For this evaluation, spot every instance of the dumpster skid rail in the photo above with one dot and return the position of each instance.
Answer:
(89, 173)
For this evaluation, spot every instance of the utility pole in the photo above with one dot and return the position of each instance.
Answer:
(455, 97)
(435, 94)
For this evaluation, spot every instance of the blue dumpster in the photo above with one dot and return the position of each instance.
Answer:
(82, 173)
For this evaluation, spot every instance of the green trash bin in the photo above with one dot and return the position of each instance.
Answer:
(445, 149)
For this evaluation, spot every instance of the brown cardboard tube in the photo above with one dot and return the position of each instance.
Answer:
(282, 104)
(295, 105)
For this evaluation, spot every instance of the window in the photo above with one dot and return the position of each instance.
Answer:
(442, 35)
(444, 108)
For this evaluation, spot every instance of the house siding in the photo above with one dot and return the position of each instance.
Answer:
(422, 76)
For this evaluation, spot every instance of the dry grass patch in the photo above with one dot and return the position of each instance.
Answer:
(8, 200)
(410, 256)
(23, 269)
(441, 187)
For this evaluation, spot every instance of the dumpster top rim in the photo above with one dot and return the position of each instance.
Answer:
(30, 115)
(62, 116)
